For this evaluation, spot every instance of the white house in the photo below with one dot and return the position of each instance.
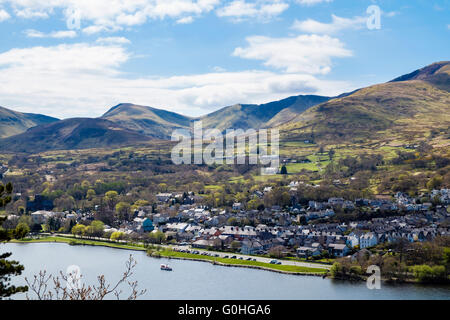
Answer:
(367, 240)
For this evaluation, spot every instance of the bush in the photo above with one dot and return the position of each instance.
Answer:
(424, 273)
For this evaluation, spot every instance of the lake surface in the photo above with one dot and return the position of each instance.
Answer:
(199, 280)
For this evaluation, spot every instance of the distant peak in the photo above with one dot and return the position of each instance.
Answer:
(423, 73)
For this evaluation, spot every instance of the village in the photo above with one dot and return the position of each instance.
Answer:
(308, 232)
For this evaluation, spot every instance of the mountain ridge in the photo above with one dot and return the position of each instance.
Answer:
(407, 108)
(73, 133)
(15, 122)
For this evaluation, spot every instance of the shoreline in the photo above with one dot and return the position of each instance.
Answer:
(113, 245)
(244, 266)
(162, 254)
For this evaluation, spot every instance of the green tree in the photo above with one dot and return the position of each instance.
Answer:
(117, 236)
(78, 230)
(111, 198)
(95, 229)
(5, 194)
(283, 170)
(90, 194)
(434, 183)
(123, 210)
(8, 268)
(21, 231)
(157, 237)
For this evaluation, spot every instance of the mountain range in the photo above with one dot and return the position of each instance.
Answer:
(408, 107)
(405, 109)
(14, 122)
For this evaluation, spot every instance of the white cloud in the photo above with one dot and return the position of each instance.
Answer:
(28, 13)
(305, 53)
(85, 80)
(311, 2)
(112, 15)
(64, 59)
(113, 40)
(337, 24)
(4, 15)
(390, 14)
(63, 34)
(31, 33)
(239, 10)
(185, 20)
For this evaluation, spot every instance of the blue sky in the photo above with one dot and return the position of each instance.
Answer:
(195, 56)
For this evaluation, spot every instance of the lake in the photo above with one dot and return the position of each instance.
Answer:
(200, 280)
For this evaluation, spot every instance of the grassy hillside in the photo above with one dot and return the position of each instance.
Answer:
(410, 108)
(299, 105)
(244, 116)
(13, 122)
(76, 133)
(146, 120)
(160, 123)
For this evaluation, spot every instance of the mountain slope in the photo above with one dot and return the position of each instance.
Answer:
(75, 133)
(146, 120)
(299, 105)
(437, 74)
(13, 122)
(407, 108)
(245, 116)
(160, 123)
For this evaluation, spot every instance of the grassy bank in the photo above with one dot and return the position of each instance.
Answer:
(86, 242)
(237, 262)
(167, 253)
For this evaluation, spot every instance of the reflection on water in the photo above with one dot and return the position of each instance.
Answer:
(199, 280)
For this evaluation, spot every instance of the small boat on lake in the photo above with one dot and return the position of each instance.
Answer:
(166, 267)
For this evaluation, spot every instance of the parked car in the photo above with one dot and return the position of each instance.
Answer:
(226, 257)
(274, 262)
(233, 257)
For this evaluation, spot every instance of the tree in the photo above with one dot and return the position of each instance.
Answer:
(65, 202)
(90, 194)
(331, 154)
(111, 199)
(117, 235)
(95, 229)
(283, 170)
(123, 211)
(74, 290)
(277, 252)
(78, 230)
(157, 237)
(8, 268)
(434, 183)
(5, 194)
(21, 231)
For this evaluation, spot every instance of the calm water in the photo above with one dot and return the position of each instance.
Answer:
(199, 280)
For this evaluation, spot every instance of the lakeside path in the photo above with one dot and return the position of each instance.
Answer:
(287, 266)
